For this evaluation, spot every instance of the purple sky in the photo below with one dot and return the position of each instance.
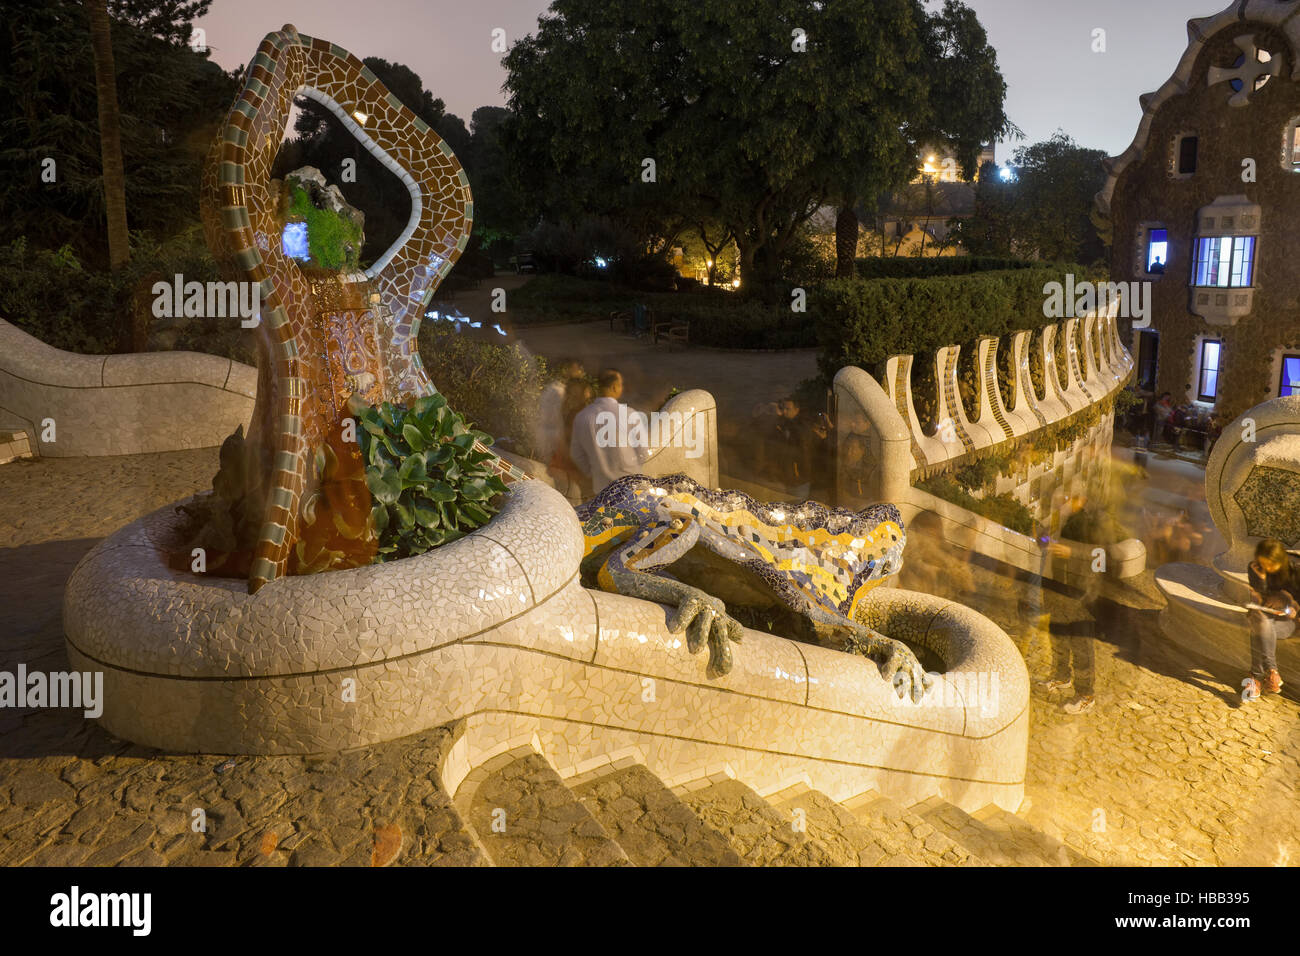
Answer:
(1044, 48)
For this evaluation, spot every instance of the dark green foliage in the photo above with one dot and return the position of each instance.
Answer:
(908, 267)
(1046, 212)
(561, 292)
(864, 322)
(1004, 509)
(51, 295)
(428, 483)
(496, 386)
(979, 475)
(172, 102)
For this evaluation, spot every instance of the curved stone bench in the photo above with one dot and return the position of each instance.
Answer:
(120, 404)
(496, 631)
(1203, 618)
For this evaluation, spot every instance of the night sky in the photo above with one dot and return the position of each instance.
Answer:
(1044, 48)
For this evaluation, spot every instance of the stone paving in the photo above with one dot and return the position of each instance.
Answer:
(1170, 768)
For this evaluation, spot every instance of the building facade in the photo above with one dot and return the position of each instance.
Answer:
(1205, 205)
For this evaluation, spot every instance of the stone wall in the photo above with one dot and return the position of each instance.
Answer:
(119, 404)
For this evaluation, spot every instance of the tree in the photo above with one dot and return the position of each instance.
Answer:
(110, 134)
(956, 99)
(750, 112)
(1045, 210)
(499, 213)
(171, 101)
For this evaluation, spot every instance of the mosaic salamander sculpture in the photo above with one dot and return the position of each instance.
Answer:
(804, 565)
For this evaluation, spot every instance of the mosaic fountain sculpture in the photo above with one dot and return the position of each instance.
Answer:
(494, 634)
(324, 337)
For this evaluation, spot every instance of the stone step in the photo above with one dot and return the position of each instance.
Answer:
(849, 839)
(761, 834)
(1024, 843)
(524, 815)
(990, 844)
(1096, 847)
(651, 823)
(917, 840)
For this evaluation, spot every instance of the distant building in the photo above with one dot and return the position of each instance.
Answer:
(915, 220)
(1205, 205)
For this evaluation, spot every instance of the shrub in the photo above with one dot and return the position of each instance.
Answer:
(430, 486)
(1004, 509)
(495, 386)
(863, 322)
(898, 267)
(49, 294)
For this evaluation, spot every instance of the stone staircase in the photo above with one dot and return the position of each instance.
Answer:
(521, 813)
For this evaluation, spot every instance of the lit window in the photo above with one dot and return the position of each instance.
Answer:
(1224, 262)
(1187, 155)
(1290, 384)
(1157, 251)
(1211, 353)
(1293, 145)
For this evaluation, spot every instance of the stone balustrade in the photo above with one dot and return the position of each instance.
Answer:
(884, 446)
(1102, 368)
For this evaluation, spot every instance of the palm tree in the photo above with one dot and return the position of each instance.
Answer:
(110, 134)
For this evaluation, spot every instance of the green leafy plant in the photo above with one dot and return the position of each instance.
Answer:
(333, 241)
(429, 484)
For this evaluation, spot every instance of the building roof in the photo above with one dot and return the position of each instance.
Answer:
(1282, 14)
(949, 200)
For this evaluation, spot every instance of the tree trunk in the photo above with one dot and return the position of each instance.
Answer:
(110, 135)
(846, 241)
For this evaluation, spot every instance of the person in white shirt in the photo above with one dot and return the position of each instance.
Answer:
(549, 428)
(610, 440)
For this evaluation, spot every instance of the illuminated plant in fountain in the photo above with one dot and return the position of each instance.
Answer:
(329, 332)
(325, 237)
(429, 483)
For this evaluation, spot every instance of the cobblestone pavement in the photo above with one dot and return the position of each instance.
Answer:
(1170, 767)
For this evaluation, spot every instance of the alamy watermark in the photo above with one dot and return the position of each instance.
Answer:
(75, 908)
(965, 690)
(632, 429)
(214, 300)
(1072, 300)
(56, 689)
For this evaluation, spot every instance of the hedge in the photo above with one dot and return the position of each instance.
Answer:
(900, 267)
(1004, 509)
(863, 322)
